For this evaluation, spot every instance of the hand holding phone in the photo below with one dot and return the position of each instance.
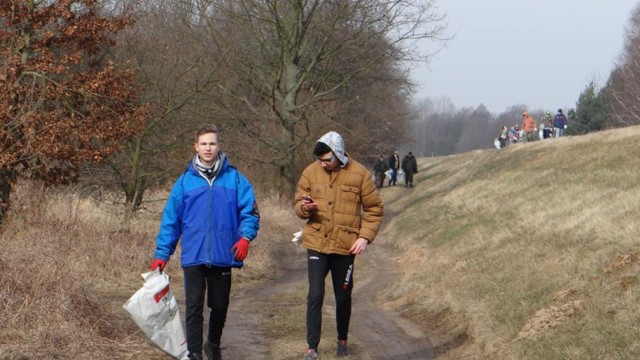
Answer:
(308, 204)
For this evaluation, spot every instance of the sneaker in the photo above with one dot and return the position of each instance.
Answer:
(195, 356)
(343, 348)
(213, 351)
(310, 355)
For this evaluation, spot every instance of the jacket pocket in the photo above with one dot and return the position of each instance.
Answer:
(350, 193)
(349, 202)
(347, 235)
(313, 229)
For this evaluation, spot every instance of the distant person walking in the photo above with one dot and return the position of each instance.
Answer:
(394, 165)
(514, 134)
(559, 123)
(212, 209)
(546, 125)
(410, 167)
(504, 132)
(343, 213)
(529, 127)
(379, 169)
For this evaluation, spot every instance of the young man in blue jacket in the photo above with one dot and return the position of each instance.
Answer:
(212, 208)
(559, 123)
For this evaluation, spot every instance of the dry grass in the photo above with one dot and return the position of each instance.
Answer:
(67, 266)
(56, 251)
(530, 252)
(492, 237)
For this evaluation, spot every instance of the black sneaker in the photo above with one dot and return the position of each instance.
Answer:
(343, 348)
(310, 354)
(213, 351)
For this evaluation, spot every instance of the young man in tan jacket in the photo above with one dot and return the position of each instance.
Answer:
(340, 202)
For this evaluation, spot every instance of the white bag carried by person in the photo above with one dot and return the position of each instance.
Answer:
(297, 237)
(400, 176)
(155, 310)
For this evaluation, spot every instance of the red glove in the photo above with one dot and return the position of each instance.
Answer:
(241, 249)
(158, 263)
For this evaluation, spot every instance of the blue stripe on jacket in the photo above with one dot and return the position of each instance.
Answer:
(208, 218)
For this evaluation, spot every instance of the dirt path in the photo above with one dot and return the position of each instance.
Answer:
(381, 334)
(244, 336)
(376, 333)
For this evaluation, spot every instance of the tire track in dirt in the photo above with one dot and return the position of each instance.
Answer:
(379, 333)
(244, 336)
(375, 333)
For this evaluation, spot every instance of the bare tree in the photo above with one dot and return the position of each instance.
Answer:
(512, 116)
(440, 128)
(437, 127)
(289, 62)
(478, 131)
(175, 70)
(625, 78)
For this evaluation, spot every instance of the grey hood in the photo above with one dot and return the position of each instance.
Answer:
(334, 141)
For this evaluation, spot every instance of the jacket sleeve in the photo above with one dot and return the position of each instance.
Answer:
(372, 210)
(171, 224)
(303, 188)
(248, 209)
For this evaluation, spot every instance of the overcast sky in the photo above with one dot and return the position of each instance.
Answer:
(541, 53)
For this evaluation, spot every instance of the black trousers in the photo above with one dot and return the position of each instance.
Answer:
(341, 268)
(408, 178)
(380, 179)
(216, 281)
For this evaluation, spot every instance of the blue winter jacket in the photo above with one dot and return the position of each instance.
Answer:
(559, 121)
(209, 218)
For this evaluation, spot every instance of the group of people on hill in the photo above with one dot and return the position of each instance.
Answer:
(212, 211)
(391, 166)
(549, 127)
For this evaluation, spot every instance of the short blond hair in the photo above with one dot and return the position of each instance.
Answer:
(206, 129)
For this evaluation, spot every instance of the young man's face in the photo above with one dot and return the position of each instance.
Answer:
(207, 148)
(328, 161)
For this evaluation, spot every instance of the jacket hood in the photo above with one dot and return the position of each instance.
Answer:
(334, 141)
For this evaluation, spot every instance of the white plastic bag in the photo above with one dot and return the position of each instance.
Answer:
(297, 236)
(155, 310)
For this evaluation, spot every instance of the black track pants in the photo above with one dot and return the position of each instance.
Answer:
(341, 268)
(216, 281)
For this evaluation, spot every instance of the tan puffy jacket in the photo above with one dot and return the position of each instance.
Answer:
(341, 196)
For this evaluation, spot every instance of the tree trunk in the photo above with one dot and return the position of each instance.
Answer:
(134, 188)
(7, 179)
(287, 168)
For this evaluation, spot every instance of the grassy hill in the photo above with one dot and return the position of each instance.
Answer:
(528, 252)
